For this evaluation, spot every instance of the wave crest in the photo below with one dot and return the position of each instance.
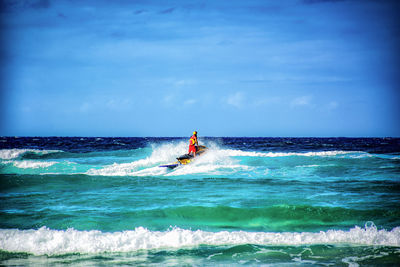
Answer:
(45, 241)
(15, 153)
(30, 164)
(239, 153)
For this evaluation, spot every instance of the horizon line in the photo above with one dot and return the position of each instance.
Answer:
(78, 136)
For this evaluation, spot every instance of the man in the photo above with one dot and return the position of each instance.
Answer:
(193, 143)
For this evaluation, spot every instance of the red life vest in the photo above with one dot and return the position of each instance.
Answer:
(192, 140)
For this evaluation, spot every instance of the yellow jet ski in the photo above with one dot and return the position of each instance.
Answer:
(186, 159)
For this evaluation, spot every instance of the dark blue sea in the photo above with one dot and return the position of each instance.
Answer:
(247, 201)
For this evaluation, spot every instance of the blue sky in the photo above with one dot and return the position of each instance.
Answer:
(225, 68)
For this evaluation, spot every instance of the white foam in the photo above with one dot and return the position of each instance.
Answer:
(209, 169)
(222, 161)
(30, 164)
(309, 166)
(15, 152)
(153, 171)
(240, 153)
(45, 241)
(161, 154)
(216, 161)
(118, 169)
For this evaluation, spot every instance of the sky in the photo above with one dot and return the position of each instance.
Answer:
(290, 68)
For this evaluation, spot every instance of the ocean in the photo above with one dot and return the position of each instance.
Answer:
(247, 201)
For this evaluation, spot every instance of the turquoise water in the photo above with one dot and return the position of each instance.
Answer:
(253, 201)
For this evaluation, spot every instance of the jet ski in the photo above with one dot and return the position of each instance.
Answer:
(186, 158)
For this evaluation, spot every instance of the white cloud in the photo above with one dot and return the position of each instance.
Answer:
(190, 102)
(332, 105)
(119, 104)
(301, 101)
(113, 104)
(235, 99)
(267, 101)
(168, 99)
(180, 83)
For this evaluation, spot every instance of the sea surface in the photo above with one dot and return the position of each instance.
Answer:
(248, 201)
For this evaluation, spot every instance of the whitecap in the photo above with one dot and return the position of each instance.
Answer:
(240, 153)
(45, 241)
(16, 152)
(146, 166)
(30, 164)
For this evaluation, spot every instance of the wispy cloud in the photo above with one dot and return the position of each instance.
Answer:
(267, 101)
(190, 102)
(181, 83)
(168, 99)
(108, 105)
(236, 99)
(301, 101)
(332, 105)
(116, 104)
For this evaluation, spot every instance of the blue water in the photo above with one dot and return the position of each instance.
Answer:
(247, 201)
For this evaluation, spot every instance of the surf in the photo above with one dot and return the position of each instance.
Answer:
(45, 241)
(218, 161)
(15, 153)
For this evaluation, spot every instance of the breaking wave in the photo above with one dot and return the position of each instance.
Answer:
(15, 153)
(145, 161)
(30, 164)
(45, 241)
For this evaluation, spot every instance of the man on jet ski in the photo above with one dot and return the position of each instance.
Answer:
(192, 144)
